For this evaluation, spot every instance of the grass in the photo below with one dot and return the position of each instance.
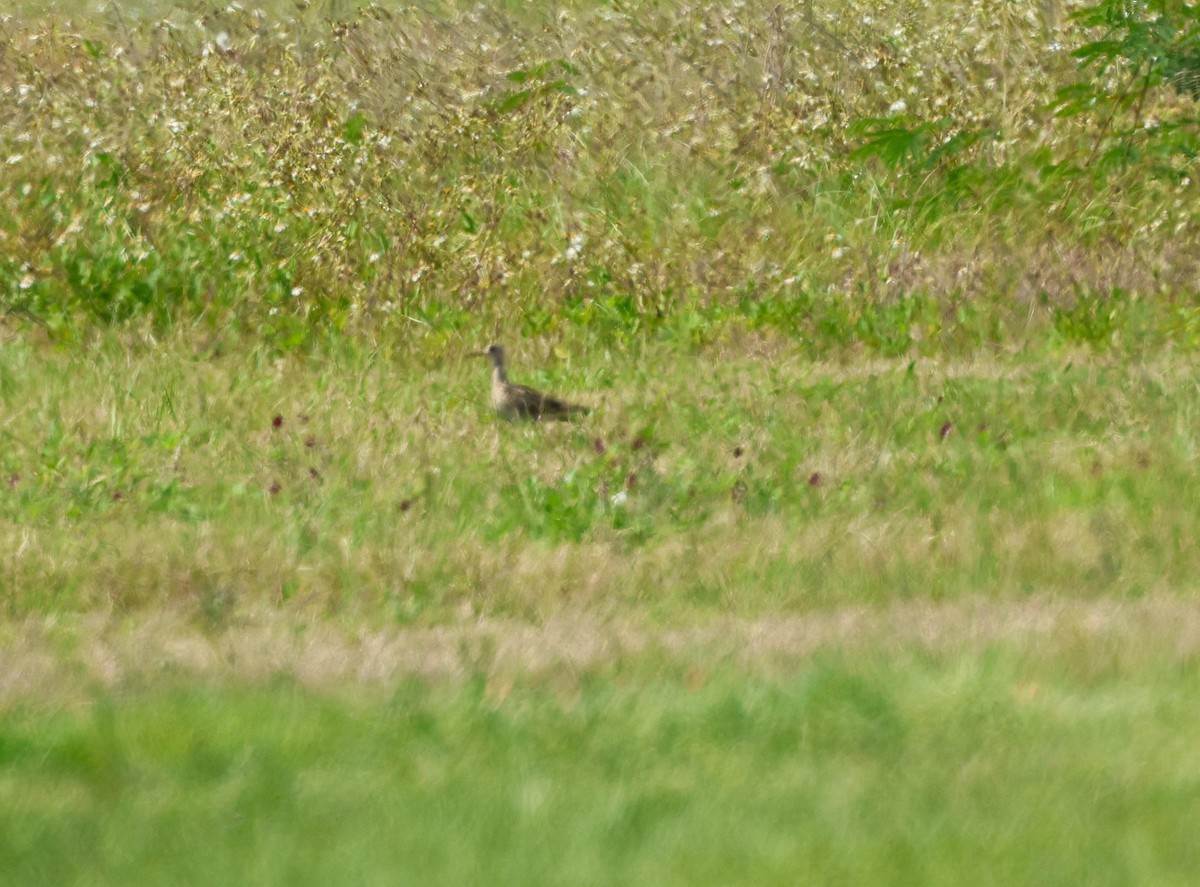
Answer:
(880, 770)
(873, 563)
(341, 484)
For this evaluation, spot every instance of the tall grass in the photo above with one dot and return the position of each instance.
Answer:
(881, 174)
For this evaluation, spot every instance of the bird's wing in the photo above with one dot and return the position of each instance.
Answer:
(530, 402)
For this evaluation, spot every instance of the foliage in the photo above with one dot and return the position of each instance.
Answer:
(1144, 47)
(869, 562)
(425, 169)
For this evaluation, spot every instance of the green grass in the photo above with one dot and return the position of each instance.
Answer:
(874, 562)
(704, 483)
(517, 723)
(909, 770)
(701, 485)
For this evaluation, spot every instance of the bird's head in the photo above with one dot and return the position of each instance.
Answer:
(495, 353)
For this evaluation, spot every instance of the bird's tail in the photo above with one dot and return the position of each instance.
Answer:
(562, 410)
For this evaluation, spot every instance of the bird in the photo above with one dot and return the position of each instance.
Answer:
(513, 401)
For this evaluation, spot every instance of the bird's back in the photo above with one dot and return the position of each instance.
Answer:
(522, 402)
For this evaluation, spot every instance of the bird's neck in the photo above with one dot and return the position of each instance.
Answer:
(498, 374)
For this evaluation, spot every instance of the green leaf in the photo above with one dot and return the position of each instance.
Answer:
(893, 144)
(109, 171)
(513, 101)
(352, 129)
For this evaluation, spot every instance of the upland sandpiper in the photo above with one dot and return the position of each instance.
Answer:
(520, 402)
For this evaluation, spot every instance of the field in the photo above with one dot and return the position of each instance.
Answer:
(874, 562)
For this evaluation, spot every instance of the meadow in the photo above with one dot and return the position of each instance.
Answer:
(873, 564)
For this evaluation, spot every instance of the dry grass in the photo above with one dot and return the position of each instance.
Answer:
(420, 169)
(54, 661)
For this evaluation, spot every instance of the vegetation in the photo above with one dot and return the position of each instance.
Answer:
(873, 564)
(882, 772)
